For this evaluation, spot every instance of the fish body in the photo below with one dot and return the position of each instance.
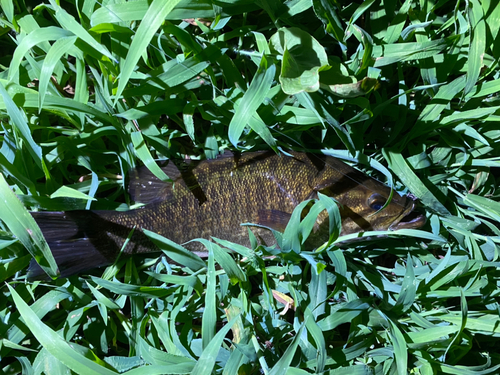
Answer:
(212, 198)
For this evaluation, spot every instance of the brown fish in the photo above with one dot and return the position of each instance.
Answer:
(212, 198)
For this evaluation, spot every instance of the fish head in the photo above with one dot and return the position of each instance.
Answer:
(362, 208)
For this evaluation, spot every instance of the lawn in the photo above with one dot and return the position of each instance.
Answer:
(406, 91)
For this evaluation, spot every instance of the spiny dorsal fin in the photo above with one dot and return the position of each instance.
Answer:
(144, 187)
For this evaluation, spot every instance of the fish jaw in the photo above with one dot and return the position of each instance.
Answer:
(409, 219)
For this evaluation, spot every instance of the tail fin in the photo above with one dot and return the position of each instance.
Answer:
(72, 236)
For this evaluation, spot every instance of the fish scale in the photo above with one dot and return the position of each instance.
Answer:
(212, 198)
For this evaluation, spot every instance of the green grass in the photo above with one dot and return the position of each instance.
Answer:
(408, 89)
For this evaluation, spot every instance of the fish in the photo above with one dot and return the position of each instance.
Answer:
(212, 198)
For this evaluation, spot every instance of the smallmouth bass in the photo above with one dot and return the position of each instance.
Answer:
(211, 198)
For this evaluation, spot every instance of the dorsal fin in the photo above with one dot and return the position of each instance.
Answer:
(144, 187)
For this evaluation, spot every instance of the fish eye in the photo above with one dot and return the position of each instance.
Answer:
(376, 201)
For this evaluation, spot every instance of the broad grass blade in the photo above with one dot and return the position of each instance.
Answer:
(410, 179)
(206, 362)
(55, 344)
(20, 123)
(25, 228)
(58, 49)
(251, 101)
(477, 27)
(153, 19)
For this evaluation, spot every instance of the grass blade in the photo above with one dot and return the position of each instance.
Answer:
(404, 172)
(152, 21)
(251, 101)
(21, 124)
(210, 312)
(284, 362)
(58, 49)
(477, 27)
(24, 227)
(54, 344)
(206, 362)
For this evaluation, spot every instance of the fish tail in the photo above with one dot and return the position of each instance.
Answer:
(72, 237)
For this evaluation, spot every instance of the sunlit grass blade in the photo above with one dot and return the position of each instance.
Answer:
(208, 357)
(21, 124)
(335, 220)
(394, 53)
(160, 370)
(339, 262)
(155, 356)
(327, 13)
(143, 153)
(58, 49)
(409, 287)
(67, 192)
(428, 117)
(136, 10)
(228, 264)
(318, 337)
(115, 13)
(69, 23)
(324, 118)
(177, 252)
(191, 281)
(394, 31)
(8, 8)
(429, 335)
(400, 348)
(209, 313)
(133, 290)
(485, 205)
(24, 227)
(284, 362)
(51, 341)
(251, 101)
(468, 370)
(344, 314)
(477, 27)
(36, 37)
(397, 233)
(151, 22)
(292, 237)
(360, 158)
(242, 250)
(317, 287)
(17, 332)
(404, 172)
(30, 100)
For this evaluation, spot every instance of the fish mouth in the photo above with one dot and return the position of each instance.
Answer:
(410, 219)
